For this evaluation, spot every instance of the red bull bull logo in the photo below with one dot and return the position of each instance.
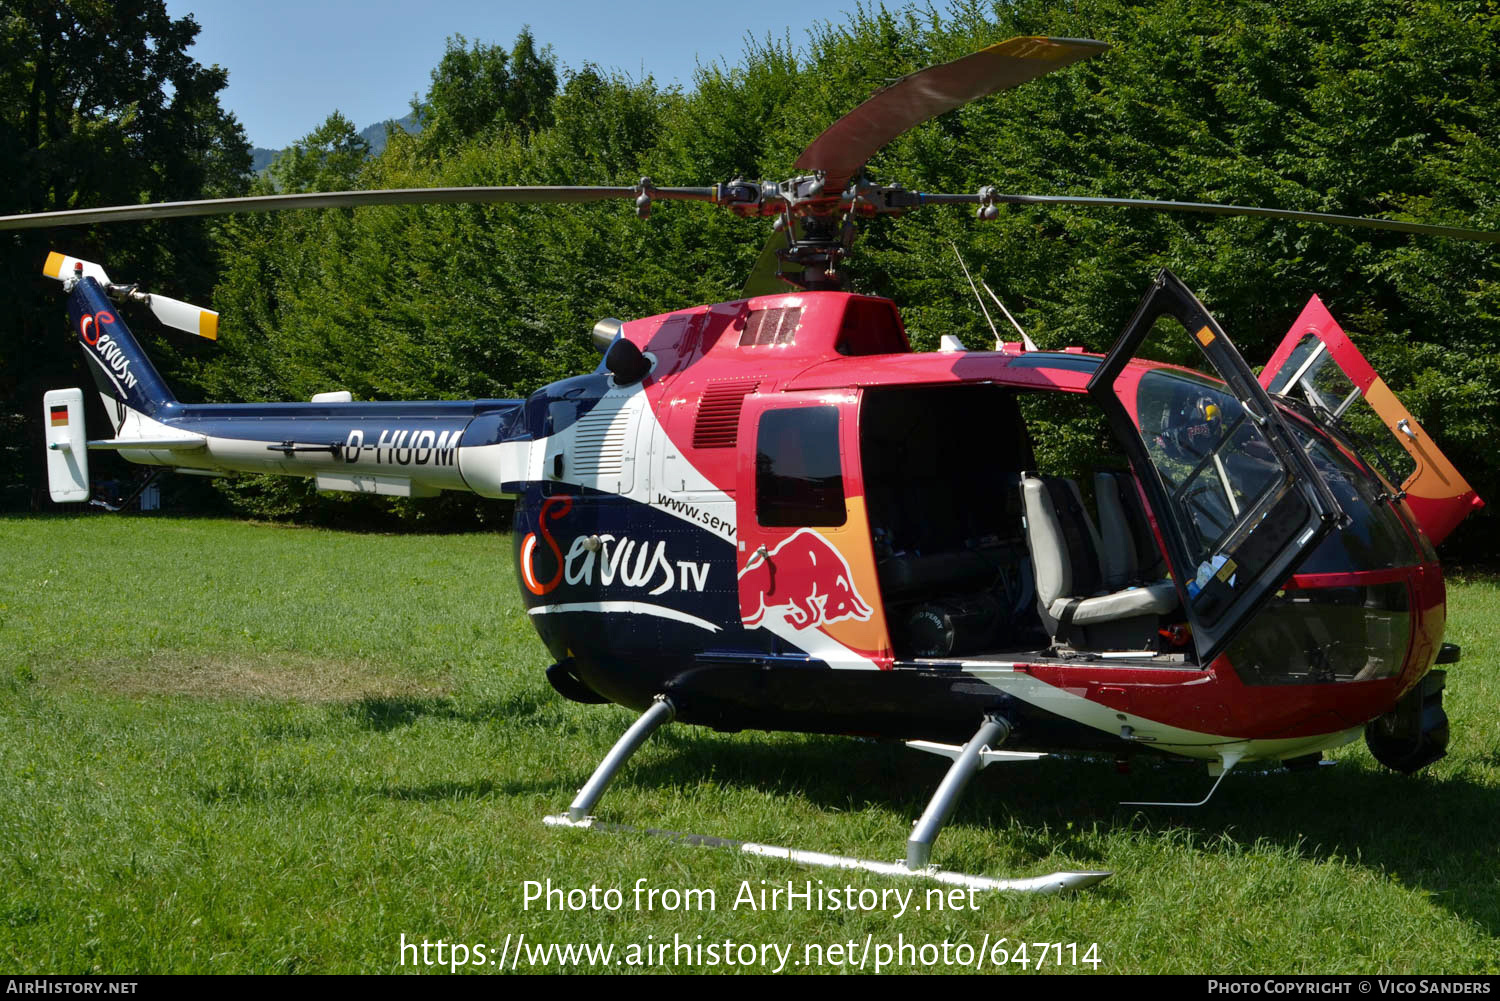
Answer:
(805, 580)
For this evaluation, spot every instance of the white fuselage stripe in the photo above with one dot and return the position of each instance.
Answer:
(1142, 730)
(632, 607)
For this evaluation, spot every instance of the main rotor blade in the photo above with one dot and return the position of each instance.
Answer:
(343, 199)
(1218, 208)
(848, 143)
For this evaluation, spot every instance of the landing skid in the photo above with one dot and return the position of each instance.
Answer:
(967, 760)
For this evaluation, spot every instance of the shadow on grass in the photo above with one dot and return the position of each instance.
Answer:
(384, 714)
(1431, 832)
(241, 786)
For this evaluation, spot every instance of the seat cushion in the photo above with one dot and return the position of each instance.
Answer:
(1158, 598)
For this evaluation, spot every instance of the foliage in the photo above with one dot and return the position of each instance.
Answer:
(480, 89)
(329, 158)
(1370, 107)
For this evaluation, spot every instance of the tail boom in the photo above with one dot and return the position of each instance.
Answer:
(406, 449)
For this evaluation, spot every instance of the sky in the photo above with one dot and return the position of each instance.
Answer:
(292, 63)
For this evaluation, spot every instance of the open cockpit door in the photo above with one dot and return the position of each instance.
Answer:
(1318, 364)
(1238, 502)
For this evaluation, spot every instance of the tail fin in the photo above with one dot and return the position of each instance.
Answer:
(123, 373)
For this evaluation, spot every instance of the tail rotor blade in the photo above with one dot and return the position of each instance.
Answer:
(185, 316)
(62, 267)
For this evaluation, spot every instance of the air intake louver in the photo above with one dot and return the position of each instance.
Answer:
(719, 413)
(771, 326)
(599, 441)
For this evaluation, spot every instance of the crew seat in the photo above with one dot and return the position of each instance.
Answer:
(1078, 608)
(1128, 551)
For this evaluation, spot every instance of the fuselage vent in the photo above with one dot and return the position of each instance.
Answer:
(719, 413)
(771, 326)
(599, 440)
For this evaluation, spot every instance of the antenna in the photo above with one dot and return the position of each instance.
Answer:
(982, 306)
(1026, 341)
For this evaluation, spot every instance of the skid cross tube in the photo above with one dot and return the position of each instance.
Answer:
(919, 846)
(662, 710)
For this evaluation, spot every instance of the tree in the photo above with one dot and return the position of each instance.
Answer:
(1369, 107)
(479, 89)
(329, 158)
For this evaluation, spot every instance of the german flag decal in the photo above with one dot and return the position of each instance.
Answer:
(59, 416)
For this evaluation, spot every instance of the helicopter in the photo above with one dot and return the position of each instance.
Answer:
(764, 514)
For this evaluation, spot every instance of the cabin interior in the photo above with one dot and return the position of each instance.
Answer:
(989, 545)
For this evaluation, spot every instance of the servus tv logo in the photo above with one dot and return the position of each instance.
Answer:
(612, 561)
(804, 579)
(116, 362)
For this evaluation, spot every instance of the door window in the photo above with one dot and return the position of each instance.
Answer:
(798, 477)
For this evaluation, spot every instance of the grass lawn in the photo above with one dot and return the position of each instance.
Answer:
(244, 748)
